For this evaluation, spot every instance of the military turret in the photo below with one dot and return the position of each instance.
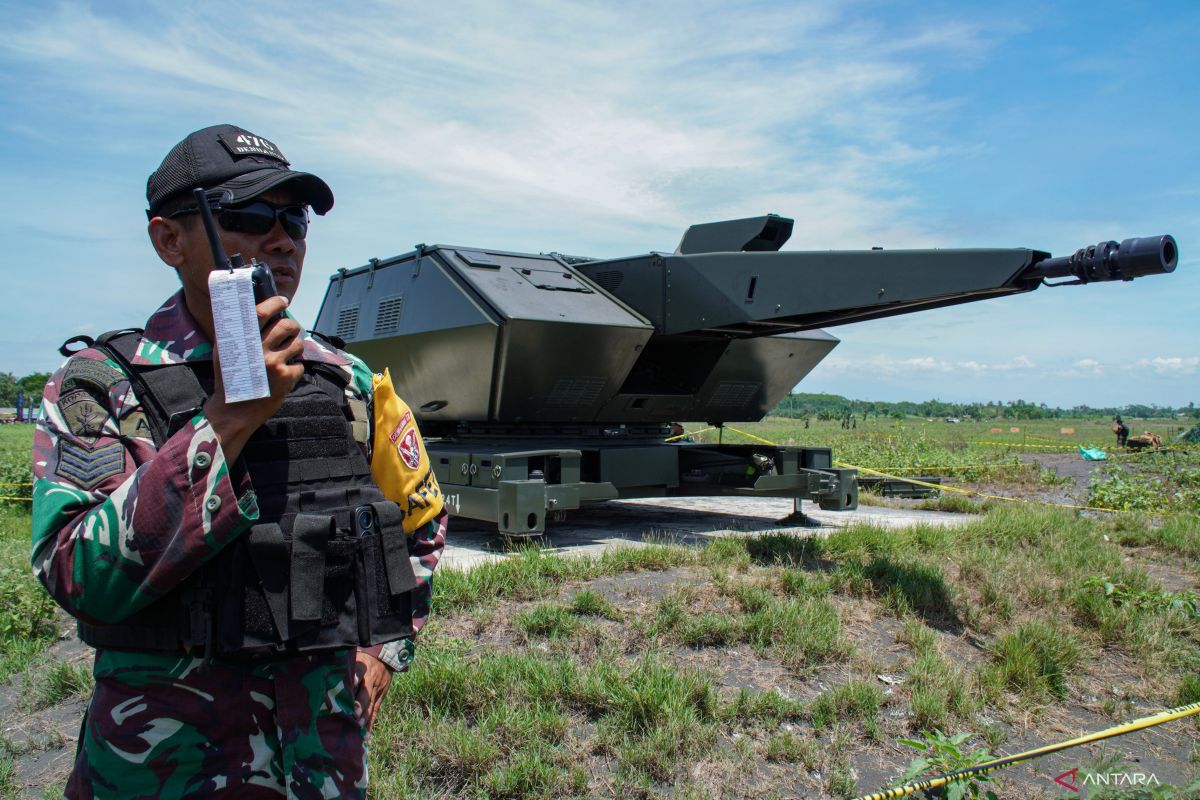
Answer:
(544, 381)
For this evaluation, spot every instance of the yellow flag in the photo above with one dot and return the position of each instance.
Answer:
(399, 461)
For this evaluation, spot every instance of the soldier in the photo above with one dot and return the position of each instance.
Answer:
(1121, 430)
(248, 588)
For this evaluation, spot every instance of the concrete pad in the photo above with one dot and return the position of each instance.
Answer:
(684, 520)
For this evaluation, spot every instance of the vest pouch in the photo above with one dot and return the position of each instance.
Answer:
(267, 600)
(244, 580)
(389, 574)
(324, 610)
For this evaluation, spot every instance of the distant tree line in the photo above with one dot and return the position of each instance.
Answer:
(32, 384)
(834, 406)
(807, 404)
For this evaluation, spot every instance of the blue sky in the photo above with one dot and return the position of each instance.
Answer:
(606, 128)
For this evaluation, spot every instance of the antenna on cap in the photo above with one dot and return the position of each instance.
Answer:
(210, 229)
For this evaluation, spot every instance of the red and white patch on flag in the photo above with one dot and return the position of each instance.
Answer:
(400, 426)
(410, 449)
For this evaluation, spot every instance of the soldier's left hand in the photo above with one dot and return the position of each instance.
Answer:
(371, 680)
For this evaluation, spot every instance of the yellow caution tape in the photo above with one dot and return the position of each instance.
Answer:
(955, 489)
(26, 499)
(16, 484)
(916, 481)
(1020, 758)
(686, 434)
(955, 466)
(943, 488)
(979, 494)
(1023, 444)
(752, 436)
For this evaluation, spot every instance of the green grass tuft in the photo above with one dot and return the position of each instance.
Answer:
(590, 603)
(1034, 662)
(789, 748)
(854, 700)
(800, 583)
(547, 620)
(710, 630)
(911, 586)
(954, 504)
(62, 681)
(802, 632)
(917, 635)
(1189, 690)
(937, 690)
(763, 707)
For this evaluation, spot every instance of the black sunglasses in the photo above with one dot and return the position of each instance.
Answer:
(258, 218)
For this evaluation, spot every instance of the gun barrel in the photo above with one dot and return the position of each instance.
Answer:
(1109, 261)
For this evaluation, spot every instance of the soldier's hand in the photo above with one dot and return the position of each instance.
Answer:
(371, 681)
(282, 347)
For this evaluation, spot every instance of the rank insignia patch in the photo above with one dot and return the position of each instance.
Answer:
(87, 468)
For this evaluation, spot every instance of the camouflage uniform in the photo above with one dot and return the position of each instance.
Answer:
(118, 524)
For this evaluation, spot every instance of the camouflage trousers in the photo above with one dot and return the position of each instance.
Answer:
(168, 727)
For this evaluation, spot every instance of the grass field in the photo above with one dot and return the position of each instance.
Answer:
(26, 613)
(995, 456)
(777, 666)
(773, 666)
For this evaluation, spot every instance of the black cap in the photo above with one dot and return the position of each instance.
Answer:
(226, 158)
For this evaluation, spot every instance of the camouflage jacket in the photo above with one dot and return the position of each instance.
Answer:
(99, 550)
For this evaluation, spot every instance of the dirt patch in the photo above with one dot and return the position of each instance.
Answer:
(42, 739)
(1070, 466)
(1170, 574)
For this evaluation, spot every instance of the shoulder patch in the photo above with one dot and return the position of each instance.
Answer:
(409, 449)
(85, 467)
(83, 414)
(84, 373)
(136, 425)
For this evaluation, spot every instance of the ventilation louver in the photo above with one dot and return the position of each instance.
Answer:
(576, 391)
(347, 322)
(609, 279)
(733, 394)
(387, 319)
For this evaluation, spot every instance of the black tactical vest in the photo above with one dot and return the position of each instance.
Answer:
(326, 566)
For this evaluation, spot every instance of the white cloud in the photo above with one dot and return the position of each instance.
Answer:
(1167, 365)
(656, 115)
(884, 365)
(1085, 367)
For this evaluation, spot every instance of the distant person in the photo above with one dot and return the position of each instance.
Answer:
(1121, 430)
(20, 405)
